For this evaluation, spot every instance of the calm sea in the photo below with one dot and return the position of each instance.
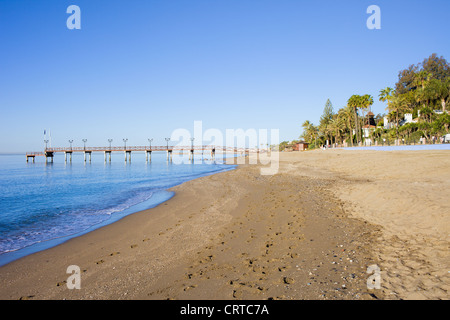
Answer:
(42, 205)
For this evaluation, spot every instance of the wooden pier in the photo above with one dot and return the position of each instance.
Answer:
(49, 153)
(33, 155)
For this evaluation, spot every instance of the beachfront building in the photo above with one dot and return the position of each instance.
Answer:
(369, 126)
(408, 118)
(300, 146)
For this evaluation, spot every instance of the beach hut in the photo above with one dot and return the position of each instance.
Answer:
(301, 146)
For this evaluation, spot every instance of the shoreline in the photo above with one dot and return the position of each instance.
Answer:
(50, 243)
(231, 235)
(163, 195)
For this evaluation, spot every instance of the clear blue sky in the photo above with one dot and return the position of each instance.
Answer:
(143, 68)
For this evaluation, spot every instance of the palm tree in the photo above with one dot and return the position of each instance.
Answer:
(338, 126)
(306, 125)
(359, 102)
(438, 90)
(398, 106)
(421, 81)
(307, 132)
(386, 95)
(421, 78)
(443, 120)
(354, 102)
(366, 103)
(333, 127)
(347, 115)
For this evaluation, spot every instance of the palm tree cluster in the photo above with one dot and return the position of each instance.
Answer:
(422, 90)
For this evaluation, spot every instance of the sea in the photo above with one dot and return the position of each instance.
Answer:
(45, 204)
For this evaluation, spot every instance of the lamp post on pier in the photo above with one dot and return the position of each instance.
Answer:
(167, 142)
(125, 146)
(48, 154)
(150, 141)
(86, 152)
(191, 154)
(168, 152)
(148, 153)
(69, 152)
(106, 152)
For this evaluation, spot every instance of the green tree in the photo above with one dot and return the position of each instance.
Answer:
(397, 107)
(348, 115)
(442, 122)
(406, 79)
(439, 90)
(386, 95)
(325, 125)
(415, 76)
(340, 124)
(359, 102)
(309, 131)
(436, 66)
(354, 103)
(366, 103)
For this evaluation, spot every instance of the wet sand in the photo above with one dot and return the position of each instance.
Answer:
(308, 232)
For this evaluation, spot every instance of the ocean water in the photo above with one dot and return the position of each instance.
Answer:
(43, 205)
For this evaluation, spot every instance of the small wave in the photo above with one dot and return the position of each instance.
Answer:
(67, 224)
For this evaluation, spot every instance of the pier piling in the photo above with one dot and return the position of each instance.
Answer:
(89, 153)
(48, 154)
(70, 156)
(106, 153)
(127, 155)
(169, 155)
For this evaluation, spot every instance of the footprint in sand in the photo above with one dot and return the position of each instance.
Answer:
(189, 287)
(60, 284)
(288, 280)
(283, 268)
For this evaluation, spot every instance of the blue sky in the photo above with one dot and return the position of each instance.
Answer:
(141, 69)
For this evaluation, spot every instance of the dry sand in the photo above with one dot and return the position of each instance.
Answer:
(406, 194)
(308, 232)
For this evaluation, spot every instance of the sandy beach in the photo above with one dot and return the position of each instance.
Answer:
(309, 231)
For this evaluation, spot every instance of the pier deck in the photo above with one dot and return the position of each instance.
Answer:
(48, 153)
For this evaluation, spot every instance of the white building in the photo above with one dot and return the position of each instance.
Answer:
(408, 118)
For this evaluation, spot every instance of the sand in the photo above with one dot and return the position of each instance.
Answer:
(308, 232)
(406, 194)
